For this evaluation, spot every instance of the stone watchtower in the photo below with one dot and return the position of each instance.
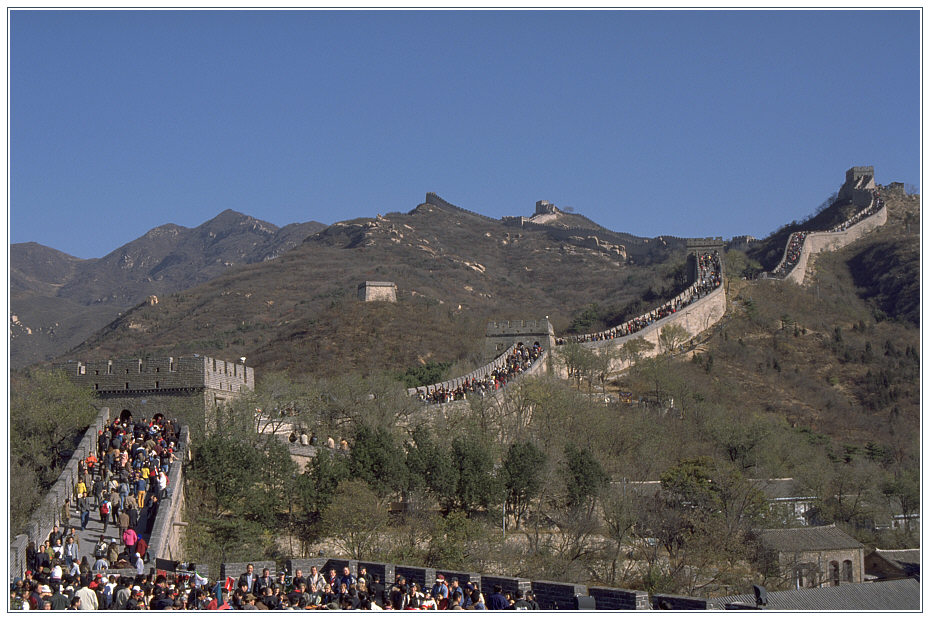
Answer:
(174, 386)
(377, 291)
(699, 246)
(860, 180)
(501, 334)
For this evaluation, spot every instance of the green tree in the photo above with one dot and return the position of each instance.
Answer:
(47, 417)
(671, 336)
(451, 541)
(378, 459)
(476, 485)
(522, 471)
(315, 489)
(583, 477)
(429, 465)
(633, 350)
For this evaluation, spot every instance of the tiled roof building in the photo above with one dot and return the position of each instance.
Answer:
(814, 557)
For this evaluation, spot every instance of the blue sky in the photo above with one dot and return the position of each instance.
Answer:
(688, 123)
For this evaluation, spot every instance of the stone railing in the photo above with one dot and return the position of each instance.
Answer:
(549, 594)
(53, 509)
(164, 540)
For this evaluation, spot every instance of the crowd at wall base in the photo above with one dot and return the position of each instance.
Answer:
(547, 594)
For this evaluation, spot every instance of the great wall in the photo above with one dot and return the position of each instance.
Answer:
(202, 380)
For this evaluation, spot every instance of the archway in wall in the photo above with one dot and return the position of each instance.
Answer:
(125, 416)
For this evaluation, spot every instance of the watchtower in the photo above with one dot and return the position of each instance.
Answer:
(174, 386)
(701, 246)
(860, 180)
(501, 334)
(377, 291)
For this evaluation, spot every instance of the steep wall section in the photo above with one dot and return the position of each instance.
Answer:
(830, 241)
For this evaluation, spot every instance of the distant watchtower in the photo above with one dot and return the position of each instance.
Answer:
(501, 334)
(377, 291)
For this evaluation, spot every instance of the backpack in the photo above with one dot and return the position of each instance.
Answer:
(105, 508)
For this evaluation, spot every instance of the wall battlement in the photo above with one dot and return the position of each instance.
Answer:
(146, 386)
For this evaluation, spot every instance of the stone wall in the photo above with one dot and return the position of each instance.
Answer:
(817, 242)
(146, 386)
(50, 512)
(165, 539)
(694, 318)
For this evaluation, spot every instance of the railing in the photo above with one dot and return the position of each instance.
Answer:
(162, 541)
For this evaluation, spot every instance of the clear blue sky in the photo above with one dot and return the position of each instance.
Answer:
(688, 123)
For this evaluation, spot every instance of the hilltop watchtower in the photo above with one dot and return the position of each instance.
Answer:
(377, 291)
(860, 181)
(501, 334)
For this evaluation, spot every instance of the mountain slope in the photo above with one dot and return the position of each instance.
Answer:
(60, 300)
(454, 271)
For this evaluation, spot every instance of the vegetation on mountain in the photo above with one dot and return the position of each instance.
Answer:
(47, 417)
(60, 300)
(818, 382)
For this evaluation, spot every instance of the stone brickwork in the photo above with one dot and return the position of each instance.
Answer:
(675, 602)
(377, 291)
(165, 540)
(234, 569)
(507, 584)
(817, 242)
(146, 386)
(554, 595)
(616, 598)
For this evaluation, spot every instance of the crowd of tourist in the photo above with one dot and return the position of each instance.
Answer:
(708, 278)
(188, 590)
(518, 361)
(122, 482)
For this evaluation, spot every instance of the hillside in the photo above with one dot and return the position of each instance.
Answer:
(454, 270)
(59, 300)
(837, 357)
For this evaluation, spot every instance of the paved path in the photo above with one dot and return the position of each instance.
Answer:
(88, 538)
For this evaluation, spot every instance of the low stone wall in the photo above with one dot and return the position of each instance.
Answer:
(817, 242)
(165, 539)
(554, 595)
(615, 598)
(675, 602)
(52, 511)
